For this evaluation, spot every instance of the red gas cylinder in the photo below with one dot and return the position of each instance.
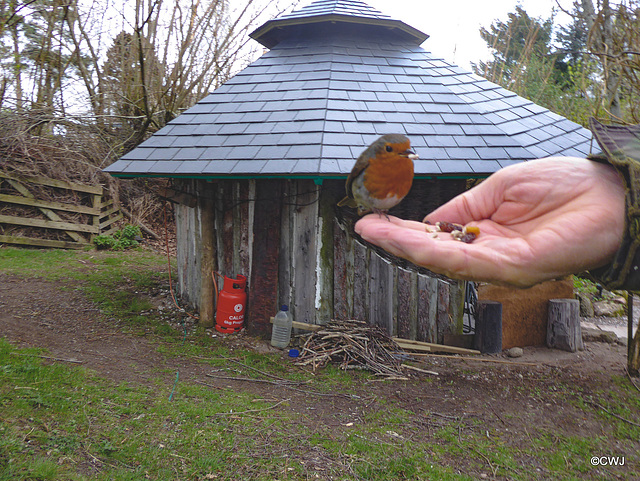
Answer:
(231, 305)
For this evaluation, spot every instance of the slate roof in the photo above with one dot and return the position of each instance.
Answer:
(310, 105)
(354, 8)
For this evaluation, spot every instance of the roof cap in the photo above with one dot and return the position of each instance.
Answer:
(336, 12)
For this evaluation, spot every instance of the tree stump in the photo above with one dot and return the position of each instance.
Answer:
(633, 360)
(563, 326)
(488, 338)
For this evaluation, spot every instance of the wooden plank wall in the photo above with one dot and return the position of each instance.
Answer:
(234, 213)
(315, 266)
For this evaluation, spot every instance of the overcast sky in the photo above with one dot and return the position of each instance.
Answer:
(453, 25)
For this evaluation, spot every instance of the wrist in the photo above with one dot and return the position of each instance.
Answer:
(620, 152)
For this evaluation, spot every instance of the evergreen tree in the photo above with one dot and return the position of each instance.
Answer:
(526, 62)
(512, 43)
(36, 49)
(572, 39)
(128, 97)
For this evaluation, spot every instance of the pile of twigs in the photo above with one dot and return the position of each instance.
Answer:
(353, 345)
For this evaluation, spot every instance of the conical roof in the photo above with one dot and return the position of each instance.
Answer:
(310, 105)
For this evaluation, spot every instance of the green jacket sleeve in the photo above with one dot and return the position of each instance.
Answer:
(621, 149)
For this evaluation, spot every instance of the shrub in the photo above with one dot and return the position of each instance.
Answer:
(104, 242)
(122, 239)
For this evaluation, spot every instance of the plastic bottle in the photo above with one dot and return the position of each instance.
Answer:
(281, 331)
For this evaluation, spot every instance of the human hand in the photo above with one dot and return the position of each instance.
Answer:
(538, 220)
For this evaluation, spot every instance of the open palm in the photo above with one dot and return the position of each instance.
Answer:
(538, 220)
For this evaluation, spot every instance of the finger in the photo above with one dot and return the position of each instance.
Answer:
(514, 191)
(476, 204)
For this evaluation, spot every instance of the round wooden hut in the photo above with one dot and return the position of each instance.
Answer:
(258, 166)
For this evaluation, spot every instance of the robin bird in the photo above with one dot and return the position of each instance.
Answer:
(382, 175)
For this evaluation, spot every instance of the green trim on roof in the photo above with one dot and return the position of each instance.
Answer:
(318, 179)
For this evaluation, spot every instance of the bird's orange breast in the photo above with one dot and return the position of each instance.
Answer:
(389, 176)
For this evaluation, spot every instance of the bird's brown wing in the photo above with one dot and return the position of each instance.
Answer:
(360, 166)
(349, 201)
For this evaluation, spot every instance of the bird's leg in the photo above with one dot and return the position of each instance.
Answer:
(362, 210)
(380, 212)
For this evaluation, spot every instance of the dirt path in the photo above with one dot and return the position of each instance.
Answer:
(38, 313)
(59, 318)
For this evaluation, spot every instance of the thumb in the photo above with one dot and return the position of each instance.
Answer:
(475, 204)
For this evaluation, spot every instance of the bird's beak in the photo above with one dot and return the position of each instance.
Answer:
(411, 154)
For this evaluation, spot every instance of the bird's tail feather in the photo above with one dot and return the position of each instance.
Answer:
(348, 202)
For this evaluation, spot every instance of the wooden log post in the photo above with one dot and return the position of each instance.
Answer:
(208, 259)
(426, 323)
(263, 286)
(407, 305)
(443, 316)
(304, 242)
(360, 281)
(563, 326)
(324, 251)
(488, 337)
(342, 273)
(380, 293)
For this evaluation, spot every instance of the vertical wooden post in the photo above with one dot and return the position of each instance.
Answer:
(629, 323)
(303, 252)
(407, 309)
(457, 293)
(360, 282)
(443, 319)
(563, 327)
(263, 285)
(242, 233)
(427, 322)
(285, 262)
(206, 205)
(633, 361)
(227, 228)
(488, 338)
(325, 255)
(342, 273)
(97, 204)
(380, 293)
(633, 342)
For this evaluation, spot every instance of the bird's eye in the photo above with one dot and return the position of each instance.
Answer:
(389, 148)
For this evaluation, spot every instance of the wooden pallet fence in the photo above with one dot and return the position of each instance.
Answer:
(110, 214)
(46, 217)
